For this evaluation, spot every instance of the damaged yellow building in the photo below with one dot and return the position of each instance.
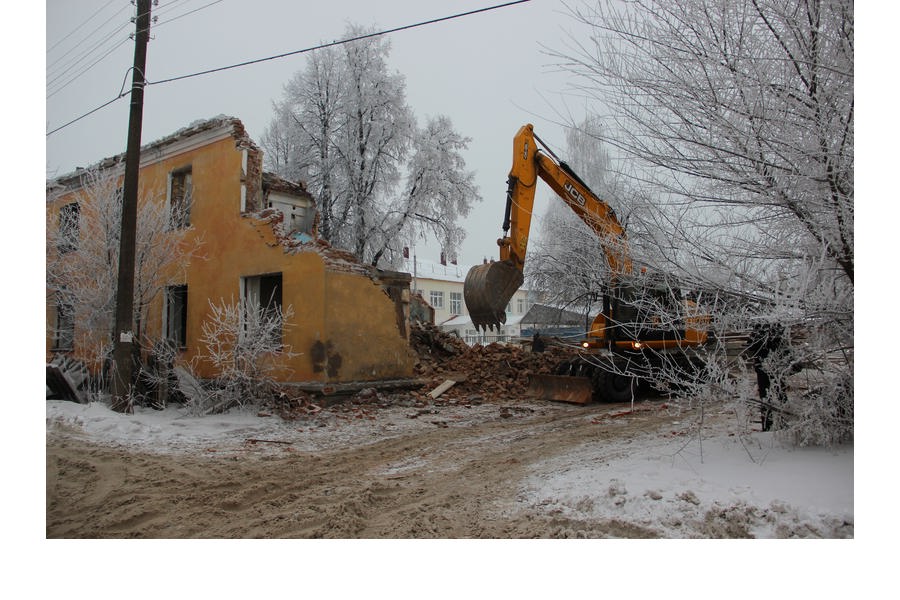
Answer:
(256, 232)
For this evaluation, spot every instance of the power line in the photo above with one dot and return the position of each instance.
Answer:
(187, 13)
(89, 113)
(83, 23)
(292, 53)
(93, 64)
(88, 68)
(337, 43)
(88, 54)
(50, 67)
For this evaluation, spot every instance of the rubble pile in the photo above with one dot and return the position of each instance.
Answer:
(478, 374)
(494, 371)
(501, 371)
(433, 345)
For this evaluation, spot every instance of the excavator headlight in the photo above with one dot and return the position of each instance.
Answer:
(585, 344)
(637, 345)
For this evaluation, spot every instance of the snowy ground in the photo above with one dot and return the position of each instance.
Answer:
(763, 488)
(757, 486)
(670, 481)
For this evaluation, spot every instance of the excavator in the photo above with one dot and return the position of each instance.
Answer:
(634, 335)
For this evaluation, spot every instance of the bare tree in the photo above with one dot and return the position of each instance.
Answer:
(299, 142)
(343, 125)
(243, 342)
(568, 264)
(736, 118)
(438, 192)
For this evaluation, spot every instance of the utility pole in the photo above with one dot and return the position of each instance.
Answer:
(123, 339)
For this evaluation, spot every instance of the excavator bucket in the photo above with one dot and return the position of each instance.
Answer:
(488, 289)
(560, 388)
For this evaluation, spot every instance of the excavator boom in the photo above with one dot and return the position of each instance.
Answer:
(489, 287)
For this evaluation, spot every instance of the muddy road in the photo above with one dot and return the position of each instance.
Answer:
(449, 472)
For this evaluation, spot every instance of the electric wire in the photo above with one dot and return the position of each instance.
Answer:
(292, 53)
(337, 43)
(113, 49)
(89, 113)
(88, 68)
(51, 66)
(87, 54)
(66, 69)
(83, 23)
(186, 14)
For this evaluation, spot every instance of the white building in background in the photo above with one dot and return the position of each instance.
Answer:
(441, 285)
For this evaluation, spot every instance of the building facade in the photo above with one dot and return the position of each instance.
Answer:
(440, 284)
(256, 238)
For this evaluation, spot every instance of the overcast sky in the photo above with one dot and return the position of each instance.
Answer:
(487, 72)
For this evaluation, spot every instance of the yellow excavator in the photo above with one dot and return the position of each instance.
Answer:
(634, 335)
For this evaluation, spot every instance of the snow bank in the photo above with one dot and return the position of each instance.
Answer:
(147, 429)
(722, 486)
(174, 430)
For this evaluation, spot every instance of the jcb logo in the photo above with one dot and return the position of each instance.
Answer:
(576, 195)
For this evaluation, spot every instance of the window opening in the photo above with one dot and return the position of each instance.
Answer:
(176, 315)
(68, 227)
(64, 333)
(181, 189)
(263, 293)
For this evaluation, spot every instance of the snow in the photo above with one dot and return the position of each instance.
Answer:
(430, 269)
(671, 485)
(174, 429)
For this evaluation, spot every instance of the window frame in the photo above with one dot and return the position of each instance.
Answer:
(436, 299)
(456, 303)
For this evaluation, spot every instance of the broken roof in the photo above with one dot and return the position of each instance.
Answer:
(540, 314)
(242, 140)
(275, 183)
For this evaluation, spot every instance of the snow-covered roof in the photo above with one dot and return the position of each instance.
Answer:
(429, 269)
(457, 321)
(541, 314)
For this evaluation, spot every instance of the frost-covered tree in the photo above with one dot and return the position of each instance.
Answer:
(300, 140)
(736, 118)
(437, 193)
(83, 258)
(343, 126)
(568, 264)
(243, 341)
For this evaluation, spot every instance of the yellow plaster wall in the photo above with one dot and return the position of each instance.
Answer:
(345, 317)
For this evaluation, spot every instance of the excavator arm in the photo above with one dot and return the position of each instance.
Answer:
(488, 288)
